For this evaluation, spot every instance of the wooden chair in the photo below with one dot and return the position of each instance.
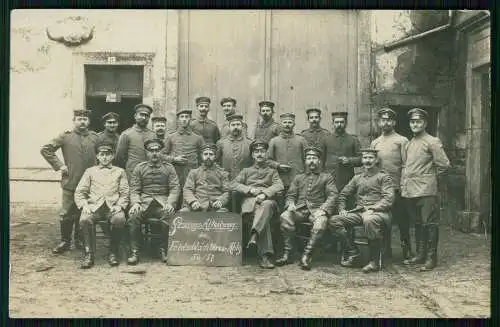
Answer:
(361, 239)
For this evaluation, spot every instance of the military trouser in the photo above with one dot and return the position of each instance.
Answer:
(424, 213)
(116, 220)
(262, 215)
(68, 217)
(402, 219)
(154, 210)
(374, 224)
(288, 221)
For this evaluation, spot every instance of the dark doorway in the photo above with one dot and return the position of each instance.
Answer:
(113, 88)
(403, 123)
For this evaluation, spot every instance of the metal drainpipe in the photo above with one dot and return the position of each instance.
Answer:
(412, 38)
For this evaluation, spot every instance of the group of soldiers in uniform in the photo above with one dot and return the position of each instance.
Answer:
(265, 174)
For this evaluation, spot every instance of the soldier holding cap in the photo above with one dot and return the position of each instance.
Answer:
(233, 151)
(130, 149)
(423, 159)
(207, 187)
(316, 135)
(342, 151)
(390, 146)
(286, 151)
(312, 196)
(183, 146)
(374, 192)
(78, 150)
(110, 132)
(202, 124)
(154, 192)
(102, 194)
(259, 184)
(229, 109)
(266, 128)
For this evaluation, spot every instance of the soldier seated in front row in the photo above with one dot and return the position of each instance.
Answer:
(374, 198)
(154, 191)
(312, 197)
(259, 184)
(102, 193)
(207, 187)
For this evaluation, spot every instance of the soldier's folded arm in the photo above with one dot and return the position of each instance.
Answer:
(189, 188)
(123, 191)
(136, 185)
(331, 196)
(387, 192)
(292, 194)
(276, 187)
(238, 183)
(82, 190)
(122, 150)
(439, 157)
(347, 191)
(173, 186)
(48, 151)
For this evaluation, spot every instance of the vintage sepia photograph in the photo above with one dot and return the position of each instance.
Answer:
(250, 163)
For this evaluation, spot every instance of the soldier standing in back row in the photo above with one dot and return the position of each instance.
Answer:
(183, 146)
(78, 150)
(229, 109)
(423, 160)
(315, 135)
(343, 152)
(130, 149)
(110, 132)
(202, 125)
(266, 128)
(390, 146)
(287, 151)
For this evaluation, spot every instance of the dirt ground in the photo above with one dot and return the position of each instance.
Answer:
(42, 285)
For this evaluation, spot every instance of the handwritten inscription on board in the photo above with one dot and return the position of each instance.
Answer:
(208, 238)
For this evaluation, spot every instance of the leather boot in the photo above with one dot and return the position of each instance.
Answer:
(432, 242)
(406, 250)
(114, 246)
(77, 235)
(350, 253)
(164, 242)
(134, 246)
(287, 250)
(88, 259)
(373, 265)
(265, 262)
(305, 261)
(65, 244)
(253, 240)
(420, 237)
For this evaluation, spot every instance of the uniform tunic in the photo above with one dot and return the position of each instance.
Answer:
(263, 178)
(108, 137)
(186, 143)
(288, 149)
(265, 131)
(103, 185)
(233, 154)
(423, 159)
(312, 191)
(78, 150)
(390, 152)
(317, 137)
(342, 145)
(130, 150)
(154, 182)
(206, 128)
(206, 185)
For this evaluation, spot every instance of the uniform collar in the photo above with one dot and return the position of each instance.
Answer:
(202, 120)
(373, 173)
(266, 124)
(286, 136)
(264, 165)
(424, 134)
(150, 164)
(77, 131)
(105, 167)
(139, 129)
(184, 131)
(315, 129)
(340, 135)
(237, 138)
(309, 172)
